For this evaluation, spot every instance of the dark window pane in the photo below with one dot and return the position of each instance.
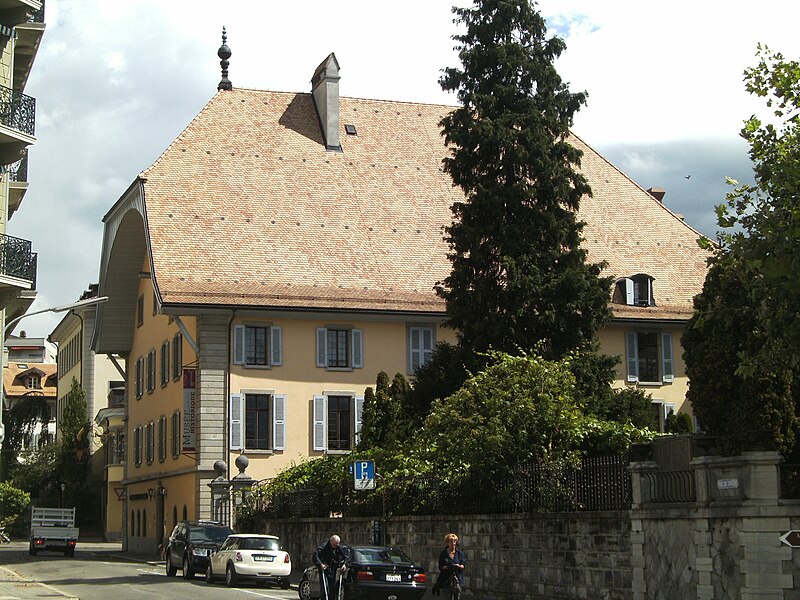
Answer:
(339, 422)
(338, 347)
(256, 421)
(648, 356)
(255, 346)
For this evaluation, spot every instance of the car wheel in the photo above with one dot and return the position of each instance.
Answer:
(285, 583)
(171, 569)
(209, 574)
(304, 589)
(69, 552)
(188, 573)
(230, 576)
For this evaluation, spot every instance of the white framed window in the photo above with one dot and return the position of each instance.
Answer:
(340, 348)
(636, 290)
(421, 342)
(336, 422)
(33, 382)
(661, 411)
(257, 345)
(151, 370)
(139, 377)
(649, 357)
(258, 421)
(165, 356)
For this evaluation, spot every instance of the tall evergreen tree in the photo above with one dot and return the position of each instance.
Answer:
(519, 276)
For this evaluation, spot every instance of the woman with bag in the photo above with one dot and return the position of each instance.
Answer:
(452, 562)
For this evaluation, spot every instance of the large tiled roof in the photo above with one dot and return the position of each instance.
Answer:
(247, 208)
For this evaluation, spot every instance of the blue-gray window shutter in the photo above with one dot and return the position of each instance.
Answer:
(237, 422)
(276, 358)
(279, 422)
(668, 375)
(631, 350)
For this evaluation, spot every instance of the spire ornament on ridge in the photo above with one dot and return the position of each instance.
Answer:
(224, 53)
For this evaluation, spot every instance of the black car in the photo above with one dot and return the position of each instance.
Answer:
(375, 573)
(190, 545)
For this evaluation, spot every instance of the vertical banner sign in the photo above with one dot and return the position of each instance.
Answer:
(189, 407)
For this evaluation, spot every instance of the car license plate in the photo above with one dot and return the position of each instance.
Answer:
(263, 558)
(393, 577)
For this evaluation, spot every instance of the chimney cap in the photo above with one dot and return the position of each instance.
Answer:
(327, 69)
(657, 193)
(224, 53)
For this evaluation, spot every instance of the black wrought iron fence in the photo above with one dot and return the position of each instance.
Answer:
(597, 484)
(670, 486)
(16, 258)
(17, 110)
(19, 170)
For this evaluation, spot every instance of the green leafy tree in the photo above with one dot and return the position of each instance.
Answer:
(768, 213)
(742, 347)
(519, 276)
(730, 403)
(75, 432)
(379, 414)
(519, 409)
(13, 503)
(19, 422)
(41, 472)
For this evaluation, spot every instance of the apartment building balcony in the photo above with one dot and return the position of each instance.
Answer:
(15, 12)
(29, 37)
(17, 275)
(17, 124)
(17, 183)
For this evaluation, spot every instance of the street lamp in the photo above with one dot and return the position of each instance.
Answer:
(56, 309)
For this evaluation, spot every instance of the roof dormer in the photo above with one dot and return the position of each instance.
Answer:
(636, 290)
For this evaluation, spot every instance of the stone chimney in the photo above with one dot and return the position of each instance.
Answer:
(657, 193)
(325, 90)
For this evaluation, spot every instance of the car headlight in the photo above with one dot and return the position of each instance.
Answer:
(199, 551)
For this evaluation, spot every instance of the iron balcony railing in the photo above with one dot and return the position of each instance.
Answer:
(37, 16)
(17, 110)
(16, 258)
(19, 170)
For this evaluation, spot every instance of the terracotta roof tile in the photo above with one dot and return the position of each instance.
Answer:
(246, 207)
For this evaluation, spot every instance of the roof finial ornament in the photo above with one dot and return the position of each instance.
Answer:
(224, 53)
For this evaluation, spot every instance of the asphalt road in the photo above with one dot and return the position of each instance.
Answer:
(103, 572)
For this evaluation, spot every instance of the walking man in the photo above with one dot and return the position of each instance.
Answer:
(331, 557)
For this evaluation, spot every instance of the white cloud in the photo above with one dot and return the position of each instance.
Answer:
(115, 82)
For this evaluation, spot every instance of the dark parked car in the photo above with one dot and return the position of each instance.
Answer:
(191, 544)
(376, 572)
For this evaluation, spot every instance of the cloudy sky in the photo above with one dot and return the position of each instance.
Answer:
(116, 82)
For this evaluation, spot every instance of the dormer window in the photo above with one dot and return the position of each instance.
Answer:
(634, 291)
(33, 382)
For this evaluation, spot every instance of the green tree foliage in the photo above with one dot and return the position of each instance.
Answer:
(742, 347)
(75, 432)
(41, 472)
(383, 412)
(13, 503)
(678, 423)
(20, 422)
(519, 409)
(519, 276)
(594, 374)
(728, 402)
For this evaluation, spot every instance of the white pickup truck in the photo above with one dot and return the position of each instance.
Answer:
(53, 529)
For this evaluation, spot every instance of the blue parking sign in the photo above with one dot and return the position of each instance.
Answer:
(364, 475)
